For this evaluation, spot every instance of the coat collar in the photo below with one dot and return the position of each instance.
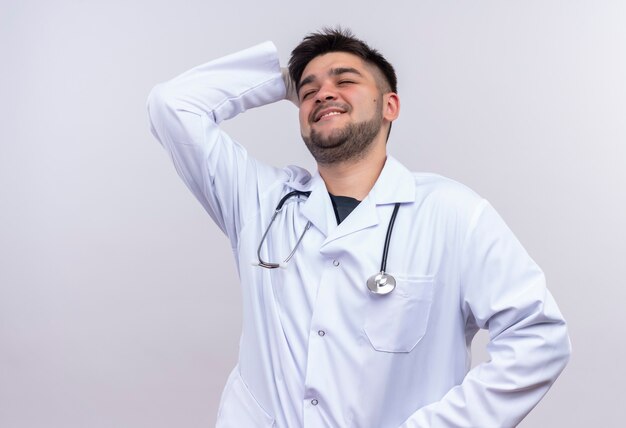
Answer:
(395, 184)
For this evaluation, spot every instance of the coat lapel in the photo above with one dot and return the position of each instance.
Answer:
(395, 184)
(318, 208)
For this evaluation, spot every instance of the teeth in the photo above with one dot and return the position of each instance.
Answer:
(332, 113)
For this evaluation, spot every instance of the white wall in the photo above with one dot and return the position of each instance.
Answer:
(118, 296)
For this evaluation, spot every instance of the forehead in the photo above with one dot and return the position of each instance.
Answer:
(324, 64)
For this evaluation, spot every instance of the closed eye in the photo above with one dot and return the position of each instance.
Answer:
(307, 94)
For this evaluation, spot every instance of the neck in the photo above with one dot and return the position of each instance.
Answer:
(354, 178)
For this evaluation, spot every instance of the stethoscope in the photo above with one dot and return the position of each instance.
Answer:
(379, 283)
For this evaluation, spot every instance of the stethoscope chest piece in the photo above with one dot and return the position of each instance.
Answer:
(381, 283)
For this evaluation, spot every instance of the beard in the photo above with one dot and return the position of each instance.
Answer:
(352, 142)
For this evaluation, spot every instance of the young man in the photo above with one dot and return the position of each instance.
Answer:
(330, 339)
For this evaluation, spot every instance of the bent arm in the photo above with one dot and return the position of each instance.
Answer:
(503, 291)
(184, 116)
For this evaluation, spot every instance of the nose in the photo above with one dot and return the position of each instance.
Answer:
(326, 93)
(326, 98)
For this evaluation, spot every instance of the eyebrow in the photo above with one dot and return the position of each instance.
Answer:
(333, 72)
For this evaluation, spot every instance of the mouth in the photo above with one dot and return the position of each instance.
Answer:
(327, 113)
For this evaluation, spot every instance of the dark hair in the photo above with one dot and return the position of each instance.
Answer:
(337, 40)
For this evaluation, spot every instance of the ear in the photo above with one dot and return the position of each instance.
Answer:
(391, 106)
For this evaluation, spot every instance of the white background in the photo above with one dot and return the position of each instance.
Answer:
(119, 301)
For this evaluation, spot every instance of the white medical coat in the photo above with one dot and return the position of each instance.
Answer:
(318, 349)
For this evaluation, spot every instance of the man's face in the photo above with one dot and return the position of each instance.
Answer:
(341, 107)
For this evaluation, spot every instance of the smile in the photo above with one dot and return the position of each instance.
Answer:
(332, 113)
(327, 113)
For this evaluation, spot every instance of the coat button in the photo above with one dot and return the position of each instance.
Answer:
(321, 332)
(336, 262)
(314, 402)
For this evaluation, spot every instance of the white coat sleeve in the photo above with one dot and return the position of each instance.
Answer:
(503, 291)
(184, 115)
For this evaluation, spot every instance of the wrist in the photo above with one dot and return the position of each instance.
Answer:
(290, 87)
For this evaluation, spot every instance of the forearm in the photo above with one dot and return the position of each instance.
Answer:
(524, 363)
(504, 291)
(184, 115)
(219, 89)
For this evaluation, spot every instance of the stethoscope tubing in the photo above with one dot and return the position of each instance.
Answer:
(287, 196)
(381, 283)
(279, 207)
(383, 264)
